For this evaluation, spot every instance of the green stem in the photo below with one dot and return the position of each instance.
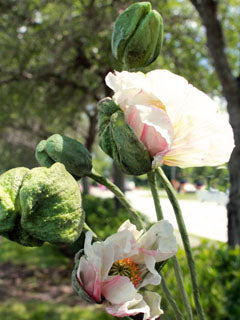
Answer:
(182, 229)
(170, 299)
(153, 185)
(120, 195)
(181, 288)
(87, 228)
(178, 273)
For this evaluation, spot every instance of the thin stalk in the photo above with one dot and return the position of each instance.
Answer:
(170, 299)
(181, 288)
(120, 195)
(182, 229)
(87, 228)
(153, 185)
(177, 269)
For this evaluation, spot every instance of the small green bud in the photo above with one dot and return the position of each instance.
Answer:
(120, 142)
(50, 202)
(41, 155)
(70, 152)
(137, 36)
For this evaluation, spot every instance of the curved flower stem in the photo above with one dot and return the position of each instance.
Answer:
(87, 228)
(153, 185)
(182, 229)
(180, 283)
(177, 269)
(170, 299)
(120, 195)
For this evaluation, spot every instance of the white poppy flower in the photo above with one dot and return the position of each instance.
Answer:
(114, 270)
(178, 124)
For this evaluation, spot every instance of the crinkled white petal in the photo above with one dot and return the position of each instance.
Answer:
(127, 225)
(118, 289)
(129, 308)
(153, 300)
(159, 238)
(123, 244)
(150, 278)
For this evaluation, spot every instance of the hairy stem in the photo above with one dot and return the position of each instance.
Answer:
(177, 269)
(170, 299)
(182, 229)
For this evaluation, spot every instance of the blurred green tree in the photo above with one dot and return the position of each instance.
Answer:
(55, 55)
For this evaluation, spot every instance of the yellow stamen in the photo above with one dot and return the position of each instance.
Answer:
(126, 267)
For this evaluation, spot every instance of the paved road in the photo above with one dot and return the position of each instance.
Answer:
(206, 219)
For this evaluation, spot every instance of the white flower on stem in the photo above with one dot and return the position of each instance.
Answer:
(114, 270)
(178, 124)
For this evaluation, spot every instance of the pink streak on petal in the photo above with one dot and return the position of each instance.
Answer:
(153, 141)
(152, 253)
(89, 279)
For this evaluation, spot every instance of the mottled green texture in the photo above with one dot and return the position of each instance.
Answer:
(119, 140)
(75, 283)
(70, 152)
(51, 205)
(19, 235)
(137, 36)
(10, 184)
(41, 155)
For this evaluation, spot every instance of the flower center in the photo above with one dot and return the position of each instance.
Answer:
(126, 267)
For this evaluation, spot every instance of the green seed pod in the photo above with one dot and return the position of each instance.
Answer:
(10, 184)
(50, 202)
(41, 155)
(19, 235)
(70, 152)
(137, 36)
(120, 142)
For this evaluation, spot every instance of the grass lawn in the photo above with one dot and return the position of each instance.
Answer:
(35, 284)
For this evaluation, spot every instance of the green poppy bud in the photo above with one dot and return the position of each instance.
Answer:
(137, 36)
(120, 142)
(19, 235)
(50, 202)
(10, 184)
(41, 155)
(10, 211)
(70, 152)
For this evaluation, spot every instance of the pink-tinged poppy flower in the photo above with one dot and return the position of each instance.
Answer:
(113, 271)
(178, 124)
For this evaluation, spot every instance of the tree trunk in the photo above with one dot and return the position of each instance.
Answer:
(207, 10)
(234, 200)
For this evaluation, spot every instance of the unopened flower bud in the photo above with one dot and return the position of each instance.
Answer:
(120, 142)
(10, 211)
(10, 184)
(137, 36)
(70, 152)
(50, 202)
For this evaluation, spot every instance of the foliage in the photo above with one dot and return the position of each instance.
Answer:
(219, 279)
(55, 56)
